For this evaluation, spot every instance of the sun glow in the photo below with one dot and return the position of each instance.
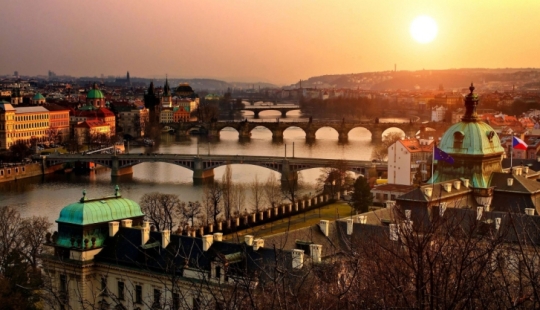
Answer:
(424, 29)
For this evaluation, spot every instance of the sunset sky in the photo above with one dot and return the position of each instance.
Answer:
(277, 41)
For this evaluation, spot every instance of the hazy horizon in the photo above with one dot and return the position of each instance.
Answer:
(277, 42)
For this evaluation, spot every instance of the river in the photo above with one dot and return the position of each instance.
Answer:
(46, 196)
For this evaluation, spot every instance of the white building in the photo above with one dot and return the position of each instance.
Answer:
(409, 161)
(438, 113)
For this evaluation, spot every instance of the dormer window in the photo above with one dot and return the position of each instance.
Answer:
(458, 139)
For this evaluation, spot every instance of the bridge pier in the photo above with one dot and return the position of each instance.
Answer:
(310, 135)
(288, 178)
(256, 114)
(343, 136)
(283, 113)
(200, 175)
(277, 134)
(116, 171)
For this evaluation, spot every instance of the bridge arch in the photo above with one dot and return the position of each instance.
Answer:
(261, 131)
(392, 130)
(327, 130)
(294, 132)
(360, 133)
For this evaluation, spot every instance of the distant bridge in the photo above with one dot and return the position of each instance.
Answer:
(343, 128)
(281, 108)
(203, 166)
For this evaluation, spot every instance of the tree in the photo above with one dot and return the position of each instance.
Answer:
(162, 210)
(33, 236)
(212, 196)
(257, 193)
(361, 197)
(227, 188)
(191, 211)
(380, 152)
(20, 150)
(272, 191)
(238, 198)
(334, 179)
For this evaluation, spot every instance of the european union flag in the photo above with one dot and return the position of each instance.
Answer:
(438, 154)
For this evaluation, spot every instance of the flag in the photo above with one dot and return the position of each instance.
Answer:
(519, 144)
(438, 154)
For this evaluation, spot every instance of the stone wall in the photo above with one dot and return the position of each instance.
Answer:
(12, 172)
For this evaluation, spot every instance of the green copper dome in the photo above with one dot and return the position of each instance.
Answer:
(471, 138)
(101, 210)
(95, 93)
(38, 96)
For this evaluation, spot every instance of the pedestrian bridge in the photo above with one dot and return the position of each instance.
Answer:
(203, 166)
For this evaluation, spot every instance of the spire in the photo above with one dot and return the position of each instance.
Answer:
(151, 88)
(471, 101)
(166, 88)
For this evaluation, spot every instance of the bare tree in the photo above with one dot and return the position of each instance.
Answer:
(162, 210)
(257, 194)
(212, 197)
(272, 191)
(334, 179)
(10, 237)
(33, 236)
(191, 211)
(380, 152)
(238, 195)
(227, 188)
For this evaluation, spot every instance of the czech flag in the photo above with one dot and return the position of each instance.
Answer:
(519, 144)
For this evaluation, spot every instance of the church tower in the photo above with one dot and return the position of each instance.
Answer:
(166, 98)
(16, 97)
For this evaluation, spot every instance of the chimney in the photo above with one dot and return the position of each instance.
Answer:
(509, 181)
(316, 252)
(390, 204)
(249, 240)
(529, 211)
(323, 224)
(428, 191)
(145, 232)
(442, 209)
(165, 238)
(447, 187)
(393, 232)
(497, 223)
(113, 228)
(457, 185)
(127, 223)
(297, 258)
(516, 170)
(218, 236)
(258, 243)
(525, 169)
(465, 182)
(207, 242)
(350, 226)
(408, 214)
(538, 159)
(362, 219)
(479, 212)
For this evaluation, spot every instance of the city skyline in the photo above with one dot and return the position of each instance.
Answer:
(276, 42)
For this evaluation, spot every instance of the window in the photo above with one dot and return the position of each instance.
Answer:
(138, 294)
(120, 290)
(157, 298)
(104, 286)
(218, 272)
(196, 304)
(176, 301)
(63, 283)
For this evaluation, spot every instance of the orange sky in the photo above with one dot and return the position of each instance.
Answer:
(278, 41)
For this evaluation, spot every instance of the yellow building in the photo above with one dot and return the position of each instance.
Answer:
(29, 124)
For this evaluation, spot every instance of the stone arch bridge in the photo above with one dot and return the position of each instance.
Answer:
(203, 166)
(283, 109)
(343, 128)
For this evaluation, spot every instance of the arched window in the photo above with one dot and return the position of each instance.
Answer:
(458, 139)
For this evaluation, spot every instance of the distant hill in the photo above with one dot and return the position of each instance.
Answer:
(212, 85)
(423, 79)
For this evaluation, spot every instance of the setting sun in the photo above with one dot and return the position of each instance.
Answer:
(423, 29)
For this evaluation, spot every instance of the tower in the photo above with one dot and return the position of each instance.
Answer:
(127, 78)
(16, 97)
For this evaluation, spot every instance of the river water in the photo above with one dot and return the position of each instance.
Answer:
(46, 196)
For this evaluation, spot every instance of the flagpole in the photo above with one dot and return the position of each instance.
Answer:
(511, 152)
(432, 163)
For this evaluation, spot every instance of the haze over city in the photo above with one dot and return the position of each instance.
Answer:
(272, 41)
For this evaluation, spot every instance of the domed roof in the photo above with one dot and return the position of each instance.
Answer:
(184, 88)
(101, 210)
(471, 136)
(38, 96)
(95, 93)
